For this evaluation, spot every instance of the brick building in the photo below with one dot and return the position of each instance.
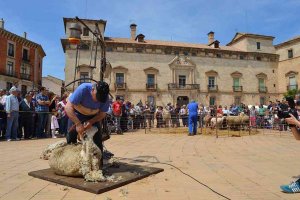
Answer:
(21, 61)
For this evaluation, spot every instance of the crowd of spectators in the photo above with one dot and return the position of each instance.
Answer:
(41, 114)
(33, 115)
(148, 115)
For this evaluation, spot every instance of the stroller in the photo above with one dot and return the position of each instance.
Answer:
(112, 124)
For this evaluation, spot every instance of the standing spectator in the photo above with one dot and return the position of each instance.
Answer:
(2, 114)
(261, 115)
(54, 124)
(193, 114)
(26, 106)
(184, 116)
(12, 110)
(159, 117)
(177, 110)
(253, 116)
(117, 112)
(42, 109)
(147, 114)
(52, 108)
(152, 111)
(3, 97)
(226, 112)
(201, 114)
(64, 118)
(124, 116)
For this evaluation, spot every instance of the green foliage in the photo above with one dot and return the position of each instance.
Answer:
(291, 93)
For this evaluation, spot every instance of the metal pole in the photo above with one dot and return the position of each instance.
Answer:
(75, 71)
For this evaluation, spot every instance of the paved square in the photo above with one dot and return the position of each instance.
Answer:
(250, 167)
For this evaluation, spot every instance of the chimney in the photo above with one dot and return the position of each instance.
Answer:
(211, 37)
(133, 31)
(216, 44)
(25, 35)
(2, 23)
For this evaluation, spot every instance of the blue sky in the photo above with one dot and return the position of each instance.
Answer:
(177, 20)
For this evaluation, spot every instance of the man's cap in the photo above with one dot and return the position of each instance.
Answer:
(102, 91)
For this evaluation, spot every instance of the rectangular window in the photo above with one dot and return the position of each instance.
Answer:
(85, 77)
(212, 101)
(10, 68)
(185, 53)
(219, 55)
(25, 55)
(290, 53)
(23, 69)
(258, 58)
(236, 82)
(8, 86)
(258, 45)
(182, 80)
(85, 32)
(242, 57)
(262, 100)
(120, 78)
(292, 83)
(11, 50)
(211, 81)
(150, 80)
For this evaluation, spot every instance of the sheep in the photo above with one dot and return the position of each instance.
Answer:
(237, 121)
(48, 151)
(79, 159)
(217, 122)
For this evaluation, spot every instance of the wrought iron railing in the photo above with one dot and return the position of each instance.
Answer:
(175, 86)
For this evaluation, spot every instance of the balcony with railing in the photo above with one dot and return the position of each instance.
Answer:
(151, 86)
(262, 89)
(237, 88)
(120, 86)
(25, 76)
(25, 60)
(176, 86)
(10, 73)
(212, 88)
(292, 87)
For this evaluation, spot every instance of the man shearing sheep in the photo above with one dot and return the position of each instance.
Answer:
(86, 107)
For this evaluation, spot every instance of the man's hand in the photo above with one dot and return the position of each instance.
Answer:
(87, 125)
(80, 130)
(8, 114)
(292, 120)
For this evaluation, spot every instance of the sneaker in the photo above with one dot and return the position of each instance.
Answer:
(294, 187)
(18, 139)
(8, 140)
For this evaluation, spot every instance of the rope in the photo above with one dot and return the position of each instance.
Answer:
(158, 162)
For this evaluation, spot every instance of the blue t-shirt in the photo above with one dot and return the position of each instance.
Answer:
(193, 108)
(82, 95)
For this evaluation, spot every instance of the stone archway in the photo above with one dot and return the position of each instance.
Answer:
(182, 100)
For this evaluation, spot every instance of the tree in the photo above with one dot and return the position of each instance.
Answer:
(291, 93)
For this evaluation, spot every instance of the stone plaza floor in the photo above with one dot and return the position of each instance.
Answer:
(249, 167)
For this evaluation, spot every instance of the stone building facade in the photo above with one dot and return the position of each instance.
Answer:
(245, 70)
(53, 84)
(21, 61)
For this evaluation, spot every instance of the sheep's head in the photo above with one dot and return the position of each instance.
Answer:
(89, 134)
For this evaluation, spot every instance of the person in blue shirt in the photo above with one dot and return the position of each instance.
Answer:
(193, 115)
(86, 107)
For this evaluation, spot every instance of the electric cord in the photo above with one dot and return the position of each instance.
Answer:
(158, 162)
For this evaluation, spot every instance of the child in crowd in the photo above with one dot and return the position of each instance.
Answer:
(54, 124)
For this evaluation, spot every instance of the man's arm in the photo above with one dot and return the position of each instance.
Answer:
(71, 113)
(101, 115)
(292, 120)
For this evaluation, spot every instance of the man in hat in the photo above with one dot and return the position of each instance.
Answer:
(12, 110)
(86, 107)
